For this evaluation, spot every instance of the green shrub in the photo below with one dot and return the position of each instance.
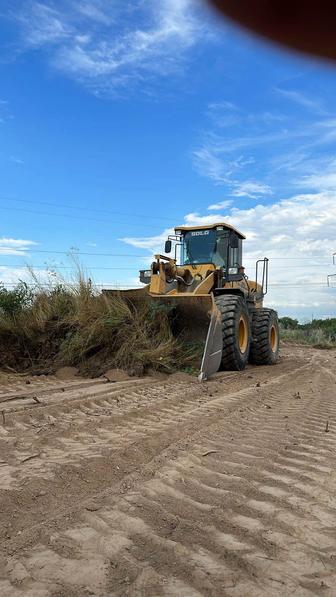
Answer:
(319, 332)
(14, 301)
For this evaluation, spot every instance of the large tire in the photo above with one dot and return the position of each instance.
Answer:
(265, 337)
(236, 332)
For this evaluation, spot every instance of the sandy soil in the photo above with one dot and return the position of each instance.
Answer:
(170, 487)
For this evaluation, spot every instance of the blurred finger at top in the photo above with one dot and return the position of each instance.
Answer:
(307, 26)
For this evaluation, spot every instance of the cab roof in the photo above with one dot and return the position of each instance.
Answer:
(210, 226)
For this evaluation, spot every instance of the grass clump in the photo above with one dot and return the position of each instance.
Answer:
(72, 324)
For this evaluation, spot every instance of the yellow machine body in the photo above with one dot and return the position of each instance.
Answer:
(192, 288)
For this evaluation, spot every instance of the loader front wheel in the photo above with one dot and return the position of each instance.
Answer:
(235, 331)
(265, 337)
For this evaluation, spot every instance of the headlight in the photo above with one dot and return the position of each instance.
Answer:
(233, 270)
(148, 273)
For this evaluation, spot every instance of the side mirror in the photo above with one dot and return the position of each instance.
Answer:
(234, 244)
(168, 246)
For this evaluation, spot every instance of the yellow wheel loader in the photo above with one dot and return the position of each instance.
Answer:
(214, 300)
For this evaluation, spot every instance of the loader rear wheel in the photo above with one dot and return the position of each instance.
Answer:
(236, 332)
(265, 337)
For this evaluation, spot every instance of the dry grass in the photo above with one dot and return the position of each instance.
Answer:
(71, 324)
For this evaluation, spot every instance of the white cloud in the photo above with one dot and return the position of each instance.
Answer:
(299, 98)
(221, 205)
(13, 246)
(222, 105)
(221, 157)
(151, 243)
(88, 43)
(287, 150)
(11, 276)
(43, 24)
(223, 113)
(213, 160)
(95, 10)
(321, 177)
(195, 219)
(298, 236)
(251, 189)
(326, 181)
(209, 164)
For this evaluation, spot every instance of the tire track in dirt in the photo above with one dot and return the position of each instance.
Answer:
(118, 415)
(242, 505)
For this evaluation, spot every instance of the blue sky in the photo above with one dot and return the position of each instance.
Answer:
(121, 119)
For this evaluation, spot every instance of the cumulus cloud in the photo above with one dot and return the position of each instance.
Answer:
(154, 244)
(11, 276)
(14, 246)
(322, 176)
(195, 219)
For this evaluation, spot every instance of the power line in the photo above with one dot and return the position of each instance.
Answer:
(281, 267)
(121, 286)
(82, 208)
(297, 285)
(56, 215)
(25, 252)
(75, 252)
(285, 258)
(53, 265)
(56, 266)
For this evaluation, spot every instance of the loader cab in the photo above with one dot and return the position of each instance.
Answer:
(218, 244)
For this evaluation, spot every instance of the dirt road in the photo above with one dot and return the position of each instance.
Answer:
(169, 487)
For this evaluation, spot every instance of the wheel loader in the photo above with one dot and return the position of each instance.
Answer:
(213, 299)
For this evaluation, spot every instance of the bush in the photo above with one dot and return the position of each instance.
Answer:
(69, 324)
(288, 323)
(14, 301)
(319, 332)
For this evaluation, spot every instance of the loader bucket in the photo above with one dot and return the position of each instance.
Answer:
(132, 294)
(197, 319)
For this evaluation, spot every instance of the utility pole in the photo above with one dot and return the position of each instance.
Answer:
(332, 277)
(330, 280)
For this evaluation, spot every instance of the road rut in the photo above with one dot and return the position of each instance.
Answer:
(169, 487)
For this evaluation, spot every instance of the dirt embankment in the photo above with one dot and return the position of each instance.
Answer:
(168, 487)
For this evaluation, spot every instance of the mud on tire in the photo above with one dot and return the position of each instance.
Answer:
(236, 332)
(265, 337)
